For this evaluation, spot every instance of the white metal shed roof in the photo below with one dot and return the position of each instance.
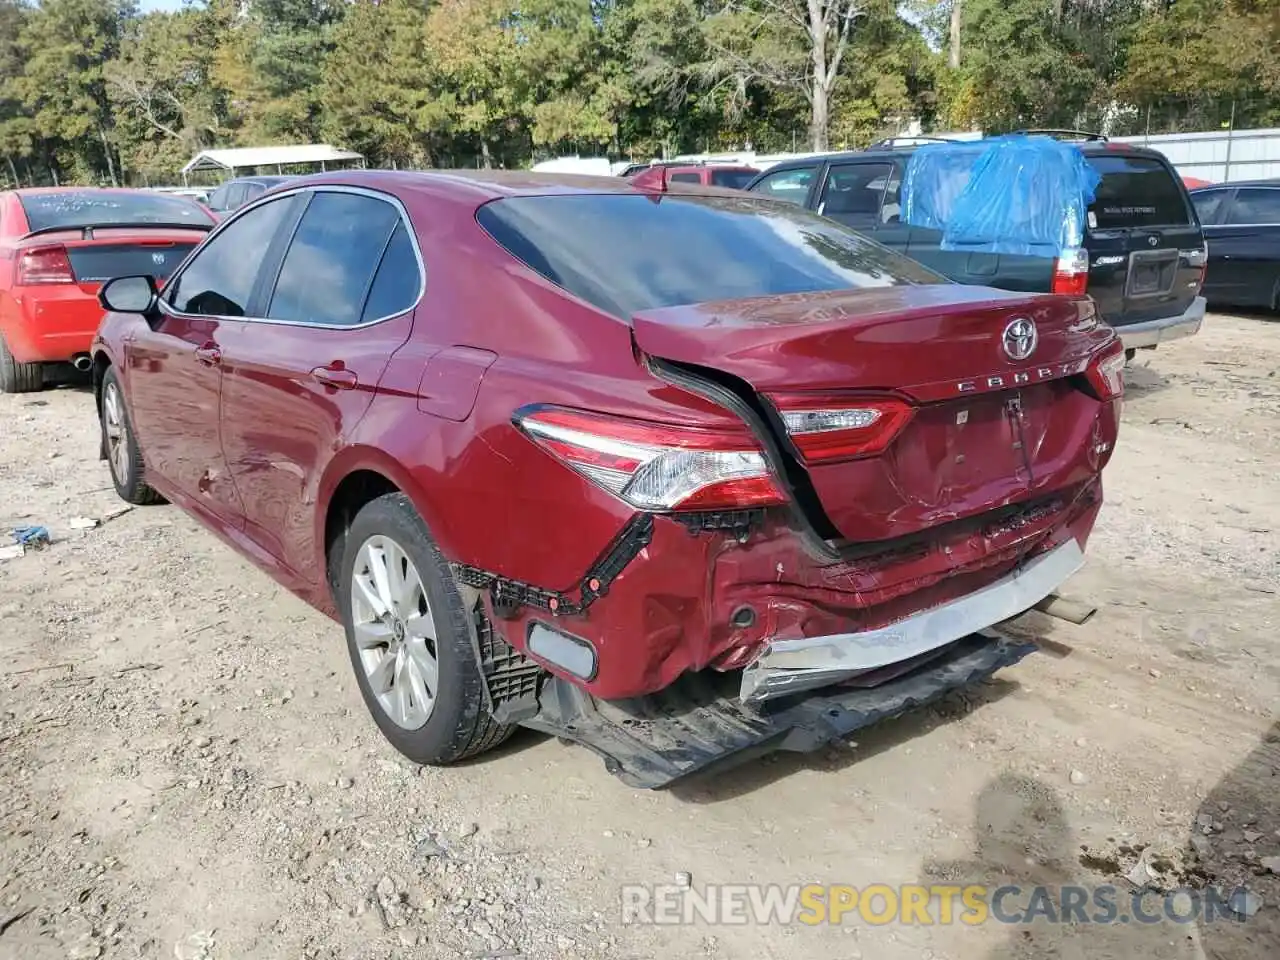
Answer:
(238, 158)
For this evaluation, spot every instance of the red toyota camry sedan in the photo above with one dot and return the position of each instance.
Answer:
(61, 243)
(681, 474)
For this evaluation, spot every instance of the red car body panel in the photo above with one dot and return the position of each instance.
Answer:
(51, 322)
(258, 448)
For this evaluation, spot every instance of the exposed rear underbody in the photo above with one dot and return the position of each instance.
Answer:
(876, 576)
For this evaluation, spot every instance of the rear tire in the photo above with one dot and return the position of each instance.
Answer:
(409, 638)
(18, 377)
(124, 458)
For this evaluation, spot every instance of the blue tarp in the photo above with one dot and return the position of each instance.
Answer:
(1015, 195)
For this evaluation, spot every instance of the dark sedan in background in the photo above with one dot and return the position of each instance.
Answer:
(1242, 227)
(234, 194)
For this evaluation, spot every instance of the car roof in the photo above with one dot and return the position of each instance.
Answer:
(885, 153)
(1232, 184)
(268, 179)
(481, 186)
(698, 167)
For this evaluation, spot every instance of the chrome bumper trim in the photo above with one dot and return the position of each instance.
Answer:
(1136, 336)
(792, 666)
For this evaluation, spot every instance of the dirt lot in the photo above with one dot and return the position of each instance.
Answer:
(186, 769)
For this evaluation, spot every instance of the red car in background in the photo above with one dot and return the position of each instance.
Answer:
(708, 175)
(680, 474)
(59, 244)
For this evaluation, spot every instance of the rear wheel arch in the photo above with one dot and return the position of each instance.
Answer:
(356, 481)
(101, 364)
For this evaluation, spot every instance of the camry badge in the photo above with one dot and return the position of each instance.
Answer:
(1020, 338)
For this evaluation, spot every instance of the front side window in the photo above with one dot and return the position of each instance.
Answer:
(627, 253)
(220, 277)
(1256, 206)
(330, 265)
(790, 185)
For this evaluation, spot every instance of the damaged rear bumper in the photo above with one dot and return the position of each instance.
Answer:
(806, 663)
(699, 724)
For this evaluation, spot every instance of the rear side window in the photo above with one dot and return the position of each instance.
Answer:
(1255, 206)
(733, 179)
(332, 258)
(628, 253)
(1135, 192)
(397, 283)
(853, 192)
(790, 185)
(684, 178)
(80, 208)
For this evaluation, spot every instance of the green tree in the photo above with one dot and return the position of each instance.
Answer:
(16, 133)
(65, 45)
(1199, 63)
(477, 62)
(1021, 65)
(792, 46)
(162, 90)
(286, 44)
(383, 106)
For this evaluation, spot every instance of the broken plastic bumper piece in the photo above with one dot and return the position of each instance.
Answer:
(792, 666)
(698, 724)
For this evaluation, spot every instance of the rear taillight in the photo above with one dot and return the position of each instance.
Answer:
(656, 466)
(1199, 259)
(826, 428)
(1105, 373)
(45, 265)
(1071, 271)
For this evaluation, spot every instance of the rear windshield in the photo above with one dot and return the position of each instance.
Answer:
(627, 253)
(76, 208)
(1136, 192)
(733, 179)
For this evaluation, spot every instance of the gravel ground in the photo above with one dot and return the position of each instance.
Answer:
(186, 768)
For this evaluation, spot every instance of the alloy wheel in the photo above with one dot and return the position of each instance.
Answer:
(394, 632)
(117, 431)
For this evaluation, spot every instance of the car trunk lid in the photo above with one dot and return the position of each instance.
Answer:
(985, 430)
(96, 256)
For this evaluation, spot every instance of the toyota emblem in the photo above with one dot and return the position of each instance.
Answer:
(1153, 240)
(158, 259)
(1020, 338)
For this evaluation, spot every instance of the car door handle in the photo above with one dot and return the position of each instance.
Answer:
(338, 378)
(209, 355)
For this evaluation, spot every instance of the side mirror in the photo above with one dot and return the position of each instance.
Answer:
(128, 295)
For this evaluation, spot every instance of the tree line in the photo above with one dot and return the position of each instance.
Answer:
(94, 91)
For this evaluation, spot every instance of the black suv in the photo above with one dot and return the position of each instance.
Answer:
(1142, 261)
